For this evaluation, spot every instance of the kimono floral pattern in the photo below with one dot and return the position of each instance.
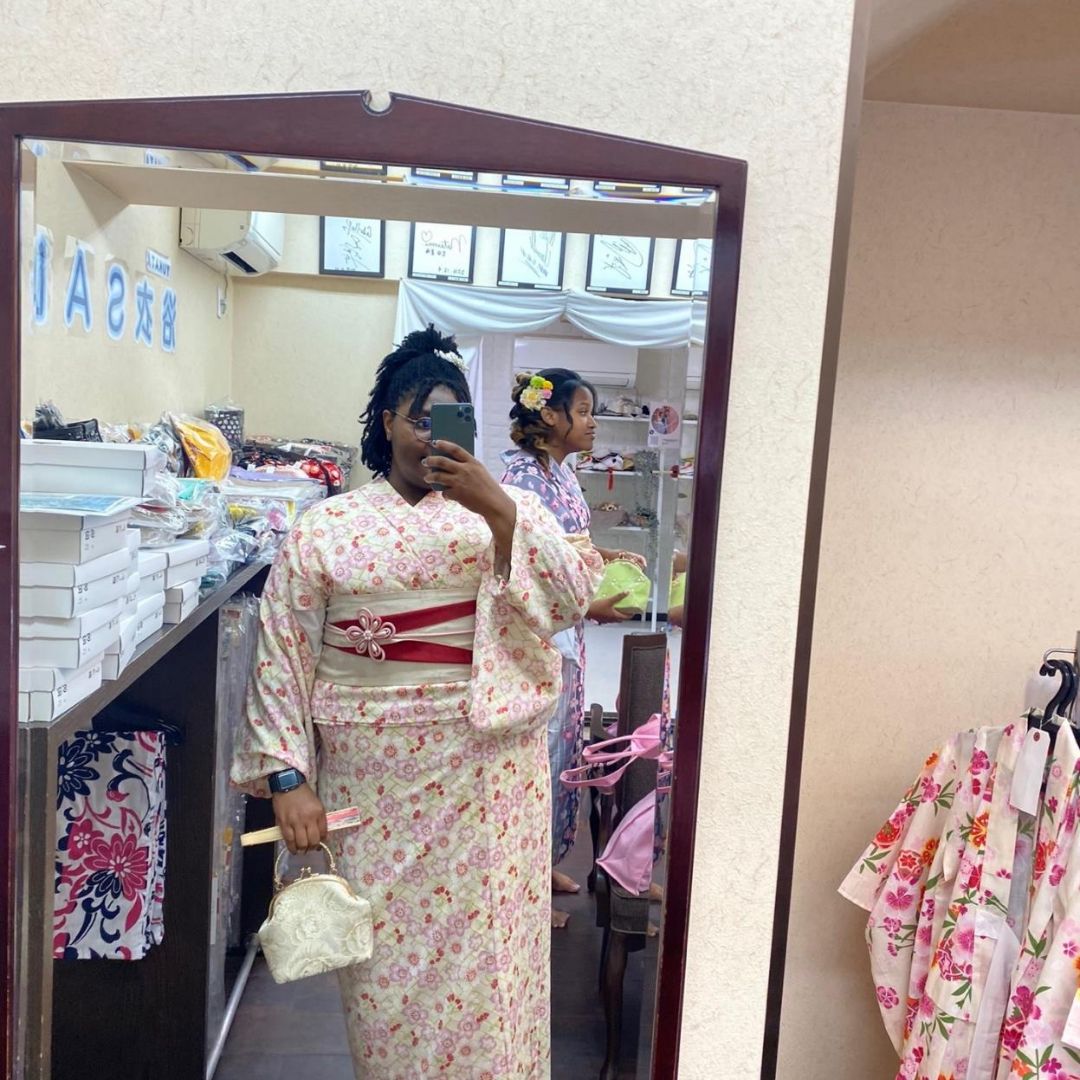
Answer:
(977, 905)
(451, 778)
(995, 944)
(560, 492)
(1047, 976)
(110, 858)
(891, 878)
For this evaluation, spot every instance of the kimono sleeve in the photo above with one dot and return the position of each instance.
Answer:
(892, 878)
(917, 820)
(517, 671)
(277, 732)
(553, 575)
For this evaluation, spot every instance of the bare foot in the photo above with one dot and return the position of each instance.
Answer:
(561, 882)
(656, 893)
(559, 919)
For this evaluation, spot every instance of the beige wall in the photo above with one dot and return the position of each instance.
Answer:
(749, 78)
(950, 525)
(88, 374)
(305, 352)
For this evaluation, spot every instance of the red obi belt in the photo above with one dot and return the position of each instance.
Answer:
(379, 638)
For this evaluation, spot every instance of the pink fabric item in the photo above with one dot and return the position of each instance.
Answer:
(627, 858)
(642, 743)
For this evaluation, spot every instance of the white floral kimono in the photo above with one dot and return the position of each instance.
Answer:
(392, 656)
(976, 957)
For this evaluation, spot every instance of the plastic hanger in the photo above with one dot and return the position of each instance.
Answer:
(1061, 704)
(1055, 667)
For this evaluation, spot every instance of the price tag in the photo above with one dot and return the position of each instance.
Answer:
(1028, 776)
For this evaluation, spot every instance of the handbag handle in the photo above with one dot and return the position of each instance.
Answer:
(306, 872)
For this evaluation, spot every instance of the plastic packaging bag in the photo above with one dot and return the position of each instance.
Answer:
(621, 576)
(160, 517)
(205, 447)
(166, 440)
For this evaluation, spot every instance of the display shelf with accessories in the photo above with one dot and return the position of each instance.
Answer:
(635, 499)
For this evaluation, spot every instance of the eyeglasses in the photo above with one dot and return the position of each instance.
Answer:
(421, 425)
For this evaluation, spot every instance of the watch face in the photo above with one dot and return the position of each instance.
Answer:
(286, 781)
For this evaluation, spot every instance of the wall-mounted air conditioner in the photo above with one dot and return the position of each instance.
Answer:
(599, 362)
(245, 242)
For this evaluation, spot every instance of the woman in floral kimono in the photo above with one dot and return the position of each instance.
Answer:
(552, 418)
(404, 667)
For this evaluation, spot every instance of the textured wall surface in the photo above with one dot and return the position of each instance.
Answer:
(749, 78)
(950, 528)
(990, 54)
(305, 352)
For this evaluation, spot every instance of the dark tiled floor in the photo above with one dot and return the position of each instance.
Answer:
(296, 1031)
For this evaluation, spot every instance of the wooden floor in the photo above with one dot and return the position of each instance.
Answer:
(296, 1031)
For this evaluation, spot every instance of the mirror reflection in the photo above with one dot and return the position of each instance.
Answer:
(355, 504)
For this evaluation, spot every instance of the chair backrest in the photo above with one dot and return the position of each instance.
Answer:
(641, 695)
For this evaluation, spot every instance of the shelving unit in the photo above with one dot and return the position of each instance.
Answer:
(634, 419)
(654, 542)
(148, 1017)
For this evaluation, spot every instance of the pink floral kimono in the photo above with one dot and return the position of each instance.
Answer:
(975, 956)
(420, 681)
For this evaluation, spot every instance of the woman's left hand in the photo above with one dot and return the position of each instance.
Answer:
(467, 482)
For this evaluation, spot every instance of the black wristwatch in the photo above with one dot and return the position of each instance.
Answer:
(286, 780)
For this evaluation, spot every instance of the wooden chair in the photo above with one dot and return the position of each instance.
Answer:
(624, 916)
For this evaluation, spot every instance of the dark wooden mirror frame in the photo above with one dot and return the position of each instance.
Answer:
(417, 133)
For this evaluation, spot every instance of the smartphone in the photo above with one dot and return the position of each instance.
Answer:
(453, 422)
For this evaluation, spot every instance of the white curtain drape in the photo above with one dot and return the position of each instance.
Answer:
(474, 310)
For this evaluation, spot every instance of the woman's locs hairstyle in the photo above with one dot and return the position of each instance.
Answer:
(405, 378)
(552, 388)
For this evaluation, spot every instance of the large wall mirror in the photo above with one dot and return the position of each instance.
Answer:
(216, 569)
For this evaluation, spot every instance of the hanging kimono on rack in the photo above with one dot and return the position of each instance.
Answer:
(988, 925)
(1044, 983)
(388, 637)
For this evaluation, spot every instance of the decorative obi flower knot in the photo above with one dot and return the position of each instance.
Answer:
(370, 634)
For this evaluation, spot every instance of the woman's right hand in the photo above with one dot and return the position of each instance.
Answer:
(301, 817)
(605, 611)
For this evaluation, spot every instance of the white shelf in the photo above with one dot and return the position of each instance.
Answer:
(634, 419)
(299, 192)
(604, 472)
(628, 528)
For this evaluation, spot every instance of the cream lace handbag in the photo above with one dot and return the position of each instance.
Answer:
(316, 924)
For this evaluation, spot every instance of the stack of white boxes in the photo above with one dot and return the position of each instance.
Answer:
(74, 577)
(80, 587)
(186, 563)
(87, 468)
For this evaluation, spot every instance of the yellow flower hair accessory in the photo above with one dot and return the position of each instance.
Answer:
(537, 394)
